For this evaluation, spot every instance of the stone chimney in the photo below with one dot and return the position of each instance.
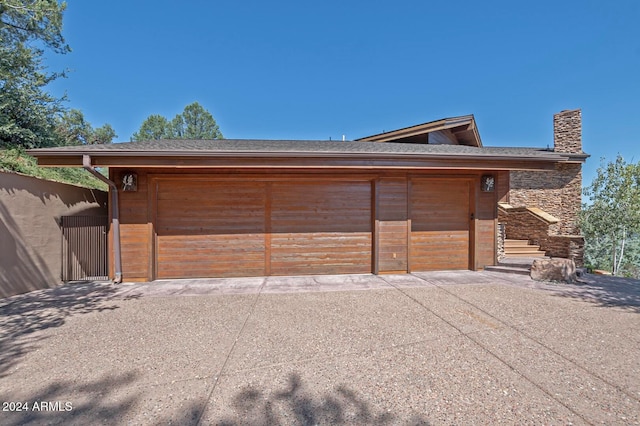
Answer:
(567, 131)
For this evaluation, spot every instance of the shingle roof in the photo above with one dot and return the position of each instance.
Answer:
(287, 148)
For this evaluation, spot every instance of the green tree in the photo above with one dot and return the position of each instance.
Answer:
(198, 123)
(73, 129)
(27, 111)
(23, 21)
(194, 122)
(104, 134)
(153, 127)
(611, 220)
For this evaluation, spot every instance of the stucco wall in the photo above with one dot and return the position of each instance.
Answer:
(30, 236)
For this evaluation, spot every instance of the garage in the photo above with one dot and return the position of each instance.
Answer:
(394, 202)
(222, 228)
(209, 228)
(440, 218)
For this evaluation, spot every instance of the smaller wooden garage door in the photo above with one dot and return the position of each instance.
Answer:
(209, 228)
(439, 212)
(320, 227)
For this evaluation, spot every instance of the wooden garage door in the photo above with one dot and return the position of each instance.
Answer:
(210, 228)
(320, 227)
(439, 212)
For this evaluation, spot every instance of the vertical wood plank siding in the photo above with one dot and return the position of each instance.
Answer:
(502, 186)
(485, 223)
(200, 223)
(134, 229)
(439, 224)
(392, 225)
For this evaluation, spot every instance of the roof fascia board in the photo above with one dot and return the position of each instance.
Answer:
(233, 160)
(554, 157)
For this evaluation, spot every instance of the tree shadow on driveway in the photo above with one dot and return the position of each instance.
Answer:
(296, 404)
(606, 291)
(22, 316)
(97, 402)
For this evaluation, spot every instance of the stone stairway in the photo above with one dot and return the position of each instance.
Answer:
(521, 248)
(519, 255)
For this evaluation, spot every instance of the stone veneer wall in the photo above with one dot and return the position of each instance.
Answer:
(501, 235)
(567, 246)
(567, 131)
(520, 224)
(557, 192)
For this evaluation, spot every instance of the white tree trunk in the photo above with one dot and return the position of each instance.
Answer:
(614, 246)
(624, 238)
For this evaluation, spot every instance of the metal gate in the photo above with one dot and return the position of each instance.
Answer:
(84, 248)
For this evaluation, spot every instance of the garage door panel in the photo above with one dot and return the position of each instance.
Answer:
(206, 189)
(198, 211)
(220, 228)
(439, 224)
(308, 253)
(210, 229)
(217, 270)
(321, 227)
(318, 227)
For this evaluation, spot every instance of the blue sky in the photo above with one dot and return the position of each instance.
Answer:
(314, 70)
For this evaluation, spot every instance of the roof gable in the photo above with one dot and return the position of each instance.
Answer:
(454, 130)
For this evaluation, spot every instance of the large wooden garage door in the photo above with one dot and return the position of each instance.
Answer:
(320, 227)
(439, 213)
(210, 228)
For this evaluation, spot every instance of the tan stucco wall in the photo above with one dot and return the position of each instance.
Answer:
(30, 235)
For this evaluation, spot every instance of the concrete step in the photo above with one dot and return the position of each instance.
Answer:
(522, 248)
(508, 269)
(527, 253)
(518, 262)
(508, 243)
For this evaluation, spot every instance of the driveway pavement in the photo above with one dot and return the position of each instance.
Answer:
(426, 348)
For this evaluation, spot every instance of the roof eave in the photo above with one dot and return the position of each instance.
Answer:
(170, 159)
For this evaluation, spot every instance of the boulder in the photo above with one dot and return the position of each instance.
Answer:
(554, 270)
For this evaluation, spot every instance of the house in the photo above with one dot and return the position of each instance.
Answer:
(415, 199)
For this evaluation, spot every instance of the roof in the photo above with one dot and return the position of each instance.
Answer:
(462, 128)
(200, 150)
(452, 143)
(178, 147)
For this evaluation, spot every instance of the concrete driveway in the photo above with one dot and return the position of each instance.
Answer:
(426, 348)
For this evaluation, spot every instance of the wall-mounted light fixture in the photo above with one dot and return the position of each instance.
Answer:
(129, 182)
(487, 183)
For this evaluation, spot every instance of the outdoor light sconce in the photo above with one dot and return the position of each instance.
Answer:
(130, 182)
(487, 183)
